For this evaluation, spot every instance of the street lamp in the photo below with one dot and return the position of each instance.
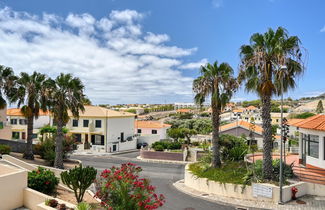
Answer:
(282, 69)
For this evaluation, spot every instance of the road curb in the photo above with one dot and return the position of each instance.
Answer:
(162, 161)
(179, 182)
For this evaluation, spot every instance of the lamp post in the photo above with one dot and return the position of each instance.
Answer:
(282, 68)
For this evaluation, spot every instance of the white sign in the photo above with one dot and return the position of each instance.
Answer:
(262, 190)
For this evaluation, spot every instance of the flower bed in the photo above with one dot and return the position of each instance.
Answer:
(239, 191)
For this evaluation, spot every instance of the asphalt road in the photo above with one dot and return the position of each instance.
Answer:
(161, 175)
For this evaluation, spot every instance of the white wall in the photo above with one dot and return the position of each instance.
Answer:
(115, 126)
(317, 162)
(161, 132)
(149, 138)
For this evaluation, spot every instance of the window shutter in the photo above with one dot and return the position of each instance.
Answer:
(103, 143)
(93, 139)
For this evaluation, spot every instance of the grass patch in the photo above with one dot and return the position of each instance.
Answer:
(230, 172)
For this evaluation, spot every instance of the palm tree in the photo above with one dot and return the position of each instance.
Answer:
(7, 80)
(66, 95)
(261, 68)
(30, 91)
(218, 83)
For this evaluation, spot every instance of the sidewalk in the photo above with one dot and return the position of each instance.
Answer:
(311, 202)
(163, 161)
(92, 153)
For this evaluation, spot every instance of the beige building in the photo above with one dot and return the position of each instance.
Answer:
(5, 128)
(18, 123)
(107, 130)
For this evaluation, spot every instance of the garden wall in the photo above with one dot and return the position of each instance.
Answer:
(15, 145)
(161, 155)
(240, 191)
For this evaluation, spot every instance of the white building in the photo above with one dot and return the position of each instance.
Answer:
(312, 141)
(151, 131)
(105, 129)
(19, 123)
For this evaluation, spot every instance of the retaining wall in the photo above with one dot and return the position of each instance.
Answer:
(16, 145)
(161, 155)
(240, 191)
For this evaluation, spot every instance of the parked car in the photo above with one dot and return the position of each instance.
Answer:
(139, 145)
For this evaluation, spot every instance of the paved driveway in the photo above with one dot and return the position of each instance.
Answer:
(162, 176)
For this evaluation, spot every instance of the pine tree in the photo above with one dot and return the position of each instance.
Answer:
(320, 108)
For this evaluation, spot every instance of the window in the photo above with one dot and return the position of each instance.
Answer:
(86, 123)
(97, 139)
(15, 135)
(153, 131)
(75, 123)
(122, 137)
(98, 123)
(277, 120)
(34, 135)
(23, 135)
(313, 146)
(139, 131)
(13, 121)
(22, 122)
(1, 125)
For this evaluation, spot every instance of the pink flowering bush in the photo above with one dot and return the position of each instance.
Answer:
(121, 188)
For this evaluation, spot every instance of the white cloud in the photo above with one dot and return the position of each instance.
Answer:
(116, 62)
(194, 65)
(217, 3)
(322, 29)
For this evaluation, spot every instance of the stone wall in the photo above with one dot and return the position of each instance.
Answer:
(15, 145)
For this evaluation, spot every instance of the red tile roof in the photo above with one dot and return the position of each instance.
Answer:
(316, 122)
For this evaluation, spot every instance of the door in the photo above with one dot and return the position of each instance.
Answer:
(23, 135)
(114, 147)
(77, 137)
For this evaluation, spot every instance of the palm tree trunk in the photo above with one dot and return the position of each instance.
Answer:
(58, 162)
(216, 161)
(28, 154)
(267, 137)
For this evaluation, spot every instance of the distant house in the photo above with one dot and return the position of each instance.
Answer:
(19, 123)
(237, 113)
(5, 128)
(312, 141)
(151, 131)
(241, 127)
(107, 130)
(184, 111)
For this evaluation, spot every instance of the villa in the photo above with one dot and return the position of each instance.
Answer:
(105, 129)
(151, 131)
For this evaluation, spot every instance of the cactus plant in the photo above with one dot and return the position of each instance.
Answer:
(79, 179)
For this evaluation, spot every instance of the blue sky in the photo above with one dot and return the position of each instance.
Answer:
(149, 51)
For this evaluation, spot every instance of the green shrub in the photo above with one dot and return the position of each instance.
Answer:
(161, 145)
(174, 145)
(159, 148)
(196, 143)
(79, 179)
(258, 167)
(233, 148)
(46, 148)
(43, 180)
(230, 172)
(83, 206)
(4, 149)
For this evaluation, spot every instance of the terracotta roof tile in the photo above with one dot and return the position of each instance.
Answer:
(17, 112)
(241, 123)
(316, 122)
(150, 124)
